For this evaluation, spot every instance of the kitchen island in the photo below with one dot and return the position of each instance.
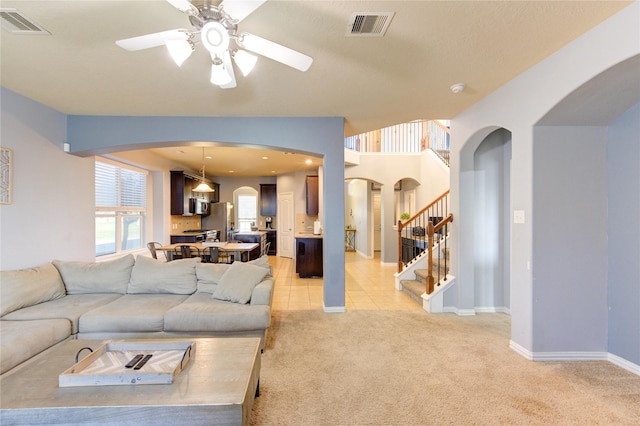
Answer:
(308, 255)
(259, 237)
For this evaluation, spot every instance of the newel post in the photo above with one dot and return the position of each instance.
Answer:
(430, 280)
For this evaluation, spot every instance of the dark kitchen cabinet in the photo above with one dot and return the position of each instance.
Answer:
(309, 257)
(272, 237)
(312, 195)
(268, 199)
(214, 196)
(181, 186)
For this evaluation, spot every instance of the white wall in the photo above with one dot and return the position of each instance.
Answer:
(570, 239)
(430, 174)
(52, 213)
(623, 189)
(358, 214)
(518, 106)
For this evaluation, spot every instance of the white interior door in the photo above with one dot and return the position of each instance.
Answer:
(377, 224)
(285, 224)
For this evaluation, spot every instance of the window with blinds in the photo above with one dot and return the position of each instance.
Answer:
(121, 206)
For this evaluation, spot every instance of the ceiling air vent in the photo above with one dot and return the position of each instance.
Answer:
(369, 24)
(15, 22)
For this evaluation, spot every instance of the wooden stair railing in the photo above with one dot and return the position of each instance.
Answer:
(418, 234)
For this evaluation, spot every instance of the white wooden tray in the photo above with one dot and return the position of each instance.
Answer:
(106, 364)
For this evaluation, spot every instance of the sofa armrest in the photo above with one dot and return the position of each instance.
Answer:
(263, 293)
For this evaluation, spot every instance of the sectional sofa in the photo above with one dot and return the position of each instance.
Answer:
(130, 298)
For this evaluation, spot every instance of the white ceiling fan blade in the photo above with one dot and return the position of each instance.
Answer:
(240, 9)
(275, 51)
(152, 40)
(184, 6)
(226, 60)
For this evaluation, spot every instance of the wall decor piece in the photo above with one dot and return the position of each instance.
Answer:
(5, 175)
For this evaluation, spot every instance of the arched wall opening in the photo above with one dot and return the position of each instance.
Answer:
(586, 198)
(324, 136)
(492, 230)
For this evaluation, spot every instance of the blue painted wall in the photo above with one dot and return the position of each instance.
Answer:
(93, 135)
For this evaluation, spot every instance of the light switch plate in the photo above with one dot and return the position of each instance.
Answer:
(518, 216)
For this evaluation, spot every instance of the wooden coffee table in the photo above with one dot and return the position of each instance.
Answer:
(218, 386)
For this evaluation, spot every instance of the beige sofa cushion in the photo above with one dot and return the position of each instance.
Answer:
(27, 287)
(23, 339)
(131, 313)
(70, 307)
(111, 276)
(201, 313)
(209, 275)
(238, 282)
(155, 276)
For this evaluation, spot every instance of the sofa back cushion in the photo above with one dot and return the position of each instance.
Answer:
(27, 287)
(157, 276)
(237, 283)
(209, 275)
(111, 276)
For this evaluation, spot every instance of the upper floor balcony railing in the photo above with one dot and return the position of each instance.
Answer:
(415, 136)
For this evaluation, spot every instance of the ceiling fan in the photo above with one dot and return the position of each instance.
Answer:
(216, 28)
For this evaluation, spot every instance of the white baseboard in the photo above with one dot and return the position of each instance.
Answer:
(493, 309)
(333, 309)
(575, 356)
(459, 312)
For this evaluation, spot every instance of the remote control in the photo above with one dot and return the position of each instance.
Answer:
(143, 362)
(133, 361)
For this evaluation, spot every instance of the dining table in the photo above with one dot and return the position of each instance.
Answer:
(240, 251)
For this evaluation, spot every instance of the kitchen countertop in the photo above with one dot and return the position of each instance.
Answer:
(307, 235)
(188, 234)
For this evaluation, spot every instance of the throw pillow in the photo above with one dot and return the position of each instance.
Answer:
(156, 276)
(209, 275)
(238, 282)
(26, 287)
(262, 261)
(111, 276)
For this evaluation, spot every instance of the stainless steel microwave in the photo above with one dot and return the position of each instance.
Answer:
(199, 206)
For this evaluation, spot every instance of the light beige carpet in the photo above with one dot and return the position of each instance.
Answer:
(413, 368)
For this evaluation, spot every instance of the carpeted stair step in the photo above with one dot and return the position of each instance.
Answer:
(414, 289)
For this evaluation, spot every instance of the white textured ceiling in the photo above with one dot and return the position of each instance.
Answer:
(372, 82)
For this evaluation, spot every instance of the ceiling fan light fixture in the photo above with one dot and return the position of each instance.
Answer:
(219, 75)
(245, 61)
(215, 37)
(179, 50)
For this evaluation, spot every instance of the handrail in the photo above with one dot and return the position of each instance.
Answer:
(416, 235)
(433, 203)
(442, 126)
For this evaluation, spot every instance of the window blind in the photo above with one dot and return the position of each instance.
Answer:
(119, 188)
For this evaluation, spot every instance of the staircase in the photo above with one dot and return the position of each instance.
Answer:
(416, 287)
(424, 258)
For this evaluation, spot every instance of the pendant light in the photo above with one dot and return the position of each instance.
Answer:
(203, 187)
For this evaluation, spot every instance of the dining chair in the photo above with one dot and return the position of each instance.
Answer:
(153, 247)
(210, 255)
(265, 250)
(185, 252)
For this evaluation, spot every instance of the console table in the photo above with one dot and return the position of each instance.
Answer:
(350, 239)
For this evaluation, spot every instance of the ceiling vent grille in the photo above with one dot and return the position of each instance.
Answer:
(369, 24)
(15, 22)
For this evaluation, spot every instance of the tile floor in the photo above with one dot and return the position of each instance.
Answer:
(369, 285)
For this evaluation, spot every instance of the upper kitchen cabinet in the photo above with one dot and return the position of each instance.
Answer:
(312, 195)
(214, 196)
(268, 199)
(181, 186)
